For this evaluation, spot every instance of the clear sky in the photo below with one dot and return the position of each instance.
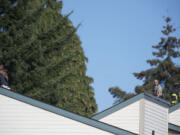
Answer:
(117, 38)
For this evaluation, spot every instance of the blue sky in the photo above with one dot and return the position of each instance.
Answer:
(117, 38)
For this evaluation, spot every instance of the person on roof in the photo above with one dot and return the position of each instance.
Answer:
(3, 78)
(175, 94)
(157, 88)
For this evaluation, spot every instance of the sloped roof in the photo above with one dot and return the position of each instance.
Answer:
(174, 127)
(174, 108)
(67, 114)
(147, 96)
(119, 106)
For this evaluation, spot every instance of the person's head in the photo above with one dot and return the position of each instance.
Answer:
(1, 66)
(156, 82)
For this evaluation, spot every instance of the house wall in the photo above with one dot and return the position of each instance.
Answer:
(174, 117)
(18, 118)
(126, 118)
(155, 118)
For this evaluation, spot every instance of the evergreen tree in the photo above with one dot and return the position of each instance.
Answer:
(119, 94)
(163, 67)
(43, 55)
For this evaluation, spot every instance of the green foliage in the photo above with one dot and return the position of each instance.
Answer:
(43, 55)
(163, 67)
(119, 94)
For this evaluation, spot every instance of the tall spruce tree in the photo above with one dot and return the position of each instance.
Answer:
(163, 67)
(43, 55)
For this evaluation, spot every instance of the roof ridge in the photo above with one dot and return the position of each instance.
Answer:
(121, 105)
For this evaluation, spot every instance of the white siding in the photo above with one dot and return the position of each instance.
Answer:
(126, 118)
(18, 118)
(155, 118)
(174, 117)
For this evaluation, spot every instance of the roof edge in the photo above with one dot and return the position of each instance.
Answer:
(174, 108)
(174, 127)
(119, 106)
(157, 100)
(91, 122)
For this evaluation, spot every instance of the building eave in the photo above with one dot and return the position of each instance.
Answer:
(65, 113)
